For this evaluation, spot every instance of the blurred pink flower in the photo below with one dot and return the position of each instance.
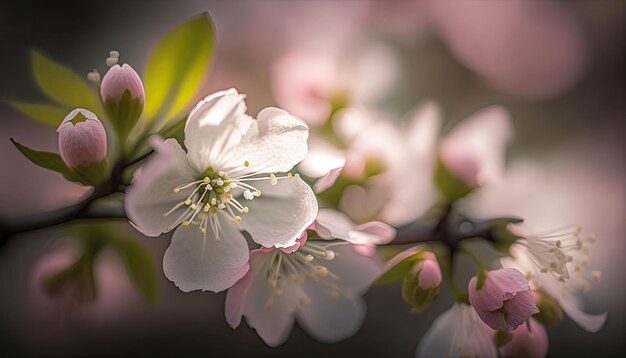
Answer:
(528, 48)
(320, 285)
(474, 150)
(529, 340)
(457, 332)
(310, 81)
(504, 301)
(114, 292)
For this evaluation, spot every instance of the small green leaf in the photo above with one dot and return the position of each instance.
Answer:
(62, 84)
(175, 130)
(397, 272)
(550, 312)
(46, 114)
(482, 276)
(451, 186)
(140, 267)
(47, 160)
(176, 66)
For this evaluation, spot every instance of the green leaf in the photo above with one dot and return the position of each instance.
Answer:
(47, 160)
(62, 84)
(397, 272)
(176, 66)
(175, 130)
(451, 186)
(140, 267)
(46, 114)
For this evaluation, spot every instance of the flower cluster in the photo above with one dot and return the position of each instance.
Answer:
(288, 219)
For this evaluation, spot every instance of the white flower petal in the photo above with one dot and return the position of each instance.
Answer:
(357, 272)
(274, 143)
(330, 319)
(272, 322)
(333, 224)
(327, 180)
(152, 192)
(321, 158)
(589, 322)
(215, 265)
(215, 126)
(457, 332)
(283, 211)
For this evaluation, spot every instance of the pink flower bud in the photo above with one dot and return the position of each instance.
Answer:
(529, 340)
(504, 300)
(119, 79)
(429, 272)
(82, 138)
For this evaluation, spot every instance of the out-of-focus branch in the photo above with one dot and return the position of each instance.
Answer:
(11, 226)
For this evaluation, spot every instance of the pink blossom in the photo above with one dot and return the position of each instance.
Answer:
(504, 301)
(82, 138)
(529, 340)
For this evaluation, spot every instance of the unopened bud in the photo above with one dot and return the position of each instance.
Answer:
(123, 98)
(421, 285)
(82, 139)
(428, 272)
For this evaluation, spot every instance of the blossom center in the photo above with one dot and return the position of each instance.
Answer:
(216, 193)
(309, 263)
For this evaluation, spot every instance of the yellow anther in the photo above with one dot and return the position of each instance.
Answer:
(213, 210)
(206, 180)
(188, 202)
(257, 193)
(229, 195)
(176, 190)
(246, 209)
(238, 219)
(246, 164)
(206, 208)
(194, 206)
(289, 175)
(186, 223)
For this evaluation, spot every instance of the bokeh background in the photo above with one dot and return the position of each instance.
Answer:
(558, 66)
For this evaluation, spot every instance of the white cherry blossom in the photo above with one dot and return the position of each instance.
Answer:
(227, 181)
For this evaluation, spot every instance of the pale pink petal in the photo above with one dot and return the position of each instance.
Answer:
(235, 297)
(327, 181)
(520, 308)
(330, 319)
(530, 342)
(272, 322)
(321, 158)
